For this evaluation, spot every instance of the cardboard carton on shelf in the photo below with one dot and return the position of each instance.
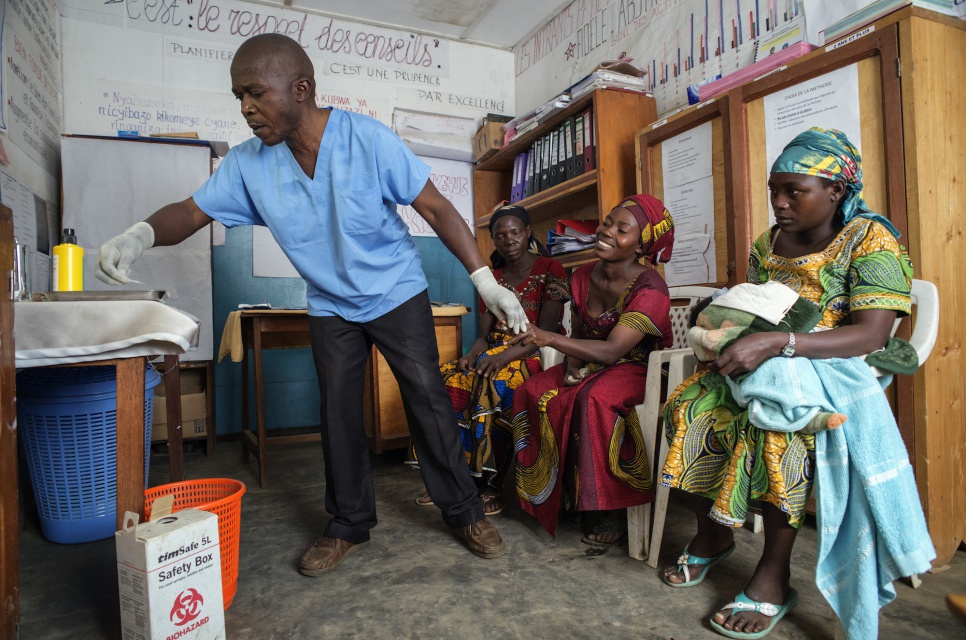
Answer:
(488, 140)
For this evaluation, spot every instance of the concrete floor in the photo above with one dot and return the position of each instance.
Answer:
(415, 581)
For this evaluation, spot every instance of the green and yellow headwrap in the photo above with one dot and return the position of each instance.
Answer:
(828, 153)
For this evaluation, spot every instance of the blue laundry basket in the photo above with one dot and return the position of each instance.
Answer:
(67, 420)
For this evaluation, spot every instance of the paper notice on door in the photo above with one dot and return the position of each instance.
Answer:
(693, 261)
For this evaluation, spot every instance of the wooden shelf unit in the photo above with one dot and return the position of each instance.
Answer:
(618, 116)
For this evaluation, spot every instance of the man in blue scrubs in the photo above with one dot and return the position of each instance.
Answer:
(326, 182)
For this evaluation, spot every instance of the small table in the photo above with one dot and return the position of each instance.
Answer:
(259, 330)
(43, 335)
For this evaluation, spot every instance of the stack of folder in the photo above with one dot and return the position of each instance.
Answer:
(572, 235)
(556, 157)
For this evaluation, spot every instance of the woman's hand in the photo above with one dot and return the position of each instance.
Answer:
(575, 375)
(465, 364)
(747, 353)
(492, 365)
(534, 336)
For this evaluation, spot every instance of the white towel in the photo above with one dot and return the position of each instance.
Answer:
(769, 301)
(51, 333)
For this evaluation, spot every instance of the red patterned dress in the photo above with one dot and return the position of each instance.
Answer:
(481, 403)
(585, 441)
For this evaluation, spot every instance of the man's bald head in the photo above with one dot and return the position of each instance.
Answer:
(276, 54)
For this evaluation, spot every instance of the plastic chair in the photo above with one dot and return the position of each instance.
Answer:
(925, 304)
(683, 300)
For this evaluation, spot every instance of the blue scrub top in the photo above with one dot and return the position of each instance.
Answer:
(340, 229)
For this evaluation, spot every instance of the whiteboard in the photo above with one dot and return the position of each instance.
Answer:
(109, 184)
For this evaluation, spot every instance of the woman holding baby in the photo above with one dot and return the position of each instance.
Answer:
(832, 250)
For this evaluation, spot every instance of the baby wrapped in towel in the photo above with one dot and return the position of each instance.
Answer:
(749, 308)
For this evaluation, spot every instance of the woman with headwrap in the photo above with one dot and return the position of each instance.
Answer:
(575, 430)
(833, 251)
(481, 383)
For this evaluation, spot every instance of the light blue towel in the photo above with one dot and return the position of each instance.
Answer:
(871, 529)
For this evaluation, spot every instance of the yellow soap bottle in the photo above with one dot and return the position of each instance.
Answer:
(68, 263)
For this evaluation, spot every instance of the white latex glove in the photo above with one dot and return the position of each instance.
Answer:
(500, 300)
(116, 256)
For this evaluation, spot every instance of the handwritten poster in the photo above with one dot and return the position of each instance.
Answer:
(689, 197)
(676, 43)
(453, 179)
(439, 136)
(34, 226)
(164, 67)
(31, 79)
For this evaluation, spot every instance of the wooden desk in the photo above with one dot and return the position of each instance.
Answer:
(385, 420)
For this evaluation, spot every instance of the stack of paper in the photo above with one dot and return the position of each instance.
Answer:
(572, 235)
(531, 119)
(603, 79)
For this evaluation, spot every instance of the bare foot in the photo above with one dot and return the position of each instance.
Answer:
(825, 421)
(604, 528)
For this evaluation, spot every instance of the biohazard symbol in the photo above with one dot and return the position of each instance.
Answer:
(187, 607)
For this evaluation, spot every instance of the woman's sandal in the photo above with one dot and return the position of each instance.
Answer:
(492, 503)
(743, 603)
(606, 524)
(706, 563)
(424, 500)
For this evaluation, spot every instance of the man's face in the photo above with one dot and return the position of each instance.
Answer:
(267, 97)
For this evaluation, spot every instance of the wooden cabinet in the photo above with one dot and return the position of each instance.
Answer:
(618, 115)
(913, 129)
(386, 423)
(9, 500)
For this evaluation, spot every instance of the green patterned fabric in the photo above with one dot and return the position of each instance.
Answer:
(898, 357)
(714, 451)
(828, 153)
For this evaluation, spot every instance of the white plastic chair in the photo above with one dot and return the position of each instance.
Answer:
(683, 300)
(925, 304)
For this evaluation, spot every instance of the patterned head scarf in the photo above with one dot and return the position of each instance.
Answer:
(656, 223)
(827, 153)
(533, 245)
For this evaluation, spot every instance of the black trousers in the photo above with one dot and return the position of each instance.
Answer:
(406, 337)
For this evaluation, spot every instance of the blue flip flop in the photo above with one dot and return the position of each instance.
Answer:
(706, 563)
(743, 603)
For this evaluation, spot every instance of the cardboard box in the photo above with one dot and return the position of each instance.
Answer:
(194, 414)
(192, 381)
(169, 577)
(488, 140)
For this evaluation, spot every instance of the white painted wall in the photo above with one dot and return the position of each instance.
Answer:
(128, 66)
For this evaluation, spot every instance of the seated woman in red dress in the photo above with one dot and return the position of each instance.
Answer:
(575, 429)
(482, 382)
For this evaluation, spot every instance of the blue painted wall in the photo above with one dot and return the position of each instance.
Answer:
(291, 389)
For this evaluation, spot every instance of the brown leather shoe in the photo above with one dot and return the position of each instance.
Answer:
(326, 554)
(482, 538)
